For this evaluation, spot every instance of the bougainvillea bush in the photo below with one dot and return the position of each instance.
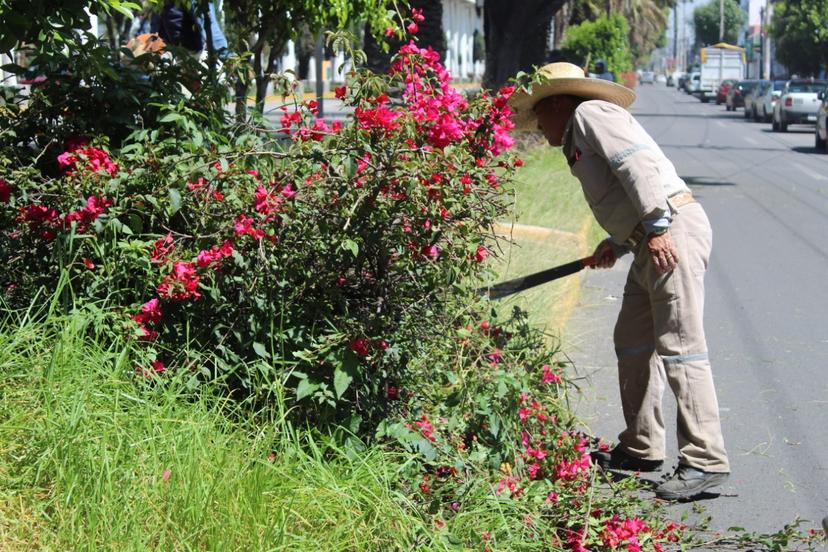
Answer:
(321, 262)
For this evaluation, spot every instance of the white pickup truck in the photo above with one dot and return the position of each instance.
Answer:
(798, 103)
(719, 62)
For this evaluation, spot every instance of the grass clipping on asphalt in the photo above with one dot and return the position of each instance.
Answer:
(551, 225)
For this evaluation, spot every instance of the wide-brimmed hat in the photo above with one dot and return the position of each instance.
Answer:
(565, 78)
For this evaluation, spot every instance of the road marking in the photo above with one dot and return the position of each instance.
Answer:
(721, 124)
(750, 140)
(813, 174)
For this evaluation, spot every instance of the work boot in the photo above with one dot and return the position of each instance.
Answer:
(689, 482)
(617, 459)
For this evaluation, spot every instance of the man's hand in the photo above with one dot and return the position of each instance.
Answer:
(663, 252)
(604, 255)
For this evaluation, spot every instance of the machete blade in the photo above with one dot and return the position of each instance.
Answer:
(510, 287)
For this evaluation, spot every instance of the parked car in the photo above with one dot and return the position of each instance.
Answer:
(661, 78)
(724, 88)
(673, 78)
(768, 101)
(798, 103)
(821, 130)
(647, 77)
(693, 84)
(736, 94)
(751, 96)
(681, 83)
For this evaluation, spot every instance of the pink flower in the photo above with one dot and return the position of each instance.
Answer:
(88, 264)
(425, 427)
(389, 31)
(430, 251)
(244, 225)
(549, 376)
(215, 254)
(481, 254)
(552, 497)
(166, 475)
(417, 15)
(5, 191)
(181, 284)
(85, 216)
(412, 28)
(152, 311)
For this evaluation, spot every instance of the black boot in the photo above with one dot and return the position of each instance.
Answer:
(617, 459)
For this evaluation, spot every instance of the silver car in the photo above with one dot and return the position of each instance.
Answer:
(798, 103)
(767, 103)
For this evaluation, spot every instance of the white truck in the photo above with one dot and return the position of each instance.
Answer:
(719, 62)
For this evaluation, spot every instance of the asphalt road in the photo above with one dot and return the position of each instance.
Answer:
(766, 311)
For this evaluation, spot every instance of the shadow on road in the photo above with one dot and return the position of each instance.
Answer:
(705, 181)
(808, 149)
(791, 131)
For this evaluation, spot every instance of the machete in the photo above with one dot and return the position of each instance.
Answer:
(503, 289)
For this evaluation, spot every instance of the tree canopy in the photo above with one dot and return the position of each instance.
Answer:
(801, 35)
(706, 21)
(605, 38)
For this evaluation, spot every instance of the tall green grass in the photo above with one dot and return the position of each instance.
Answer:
(90, 459)
(94, 456)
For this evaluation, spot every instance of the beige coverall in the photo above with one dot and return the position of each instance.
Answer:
(659, 333)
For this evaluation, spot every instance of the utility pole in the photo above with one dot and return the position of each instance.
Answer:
(721, 20)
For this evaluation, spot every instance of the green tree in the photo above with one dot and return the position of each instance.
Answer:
(261, 29)
(605, 38)
(801, 35)
(48, 21)
(706, 20)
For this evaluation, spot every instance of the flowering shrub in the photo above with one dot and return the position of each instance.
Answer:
(323, 263)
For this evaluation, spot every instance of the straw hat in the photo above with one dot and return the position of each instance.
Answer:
(565, 78)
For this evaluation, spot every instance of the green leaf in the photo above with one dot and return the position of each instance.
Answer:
(175, 201)
(305, 388)
(342, 380)
(352, 246)
(260, 350)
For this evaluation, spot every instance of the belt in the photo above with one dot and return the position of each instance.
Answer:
(675, 201)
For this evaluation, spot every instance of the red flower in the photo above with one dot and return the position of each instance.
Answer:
(159, 367)
(360, 346)
(214, 255)
(161, 249)
(549, 376)
(340, 92)
(389, 31)
(88, 264)
(412, 28)
(5, 191)
(481, 254)
(417, 15)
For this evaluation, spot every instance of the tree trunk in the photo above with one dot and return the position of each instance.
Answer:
(431, 33)
(516, 39)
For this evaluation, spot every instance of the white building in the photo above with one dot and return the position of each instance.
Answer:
(461, 18)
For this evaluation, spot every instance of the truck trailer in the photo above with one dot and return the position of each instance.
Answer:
(719, 62)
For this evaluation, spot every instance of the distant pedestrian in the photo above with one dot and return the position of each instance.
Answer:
(601, 71)
(185, 27)
(637, 197)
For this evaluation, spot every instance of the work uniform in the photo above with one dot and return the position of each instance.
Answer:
(631, 186)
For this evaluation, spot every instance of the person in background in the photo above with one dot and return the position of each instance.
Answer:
(185, 28)
(647, 209)
(601, 71)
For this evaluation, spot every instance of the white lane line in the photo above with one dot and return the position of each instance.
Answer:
(813, 174)
(750, 140)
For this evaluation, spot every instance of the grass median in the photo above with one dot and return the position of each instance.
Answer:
(552, 225)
